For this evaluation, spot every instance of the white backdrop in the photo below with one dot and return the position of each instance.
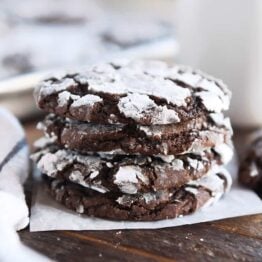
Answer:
(224, 38)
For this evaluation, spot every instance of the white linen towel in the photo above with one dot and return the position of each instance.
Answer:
(14, 168)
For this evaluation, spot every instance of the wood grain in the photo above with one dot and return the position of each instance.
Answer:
(237, 239)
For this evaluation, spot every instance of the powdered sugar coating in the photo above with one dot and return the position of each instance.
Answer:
(189, 79)
(212, 182)
(167, 159)
(225, 151)
(49, 87)
(155, 131)
(195, 164)
(215, 184)
(212, 102)
(132, 79)
(177, 164)
(50, 163)
(128, 174)
(220, 120)
(127, 177)
(214, 138)
(135, 105)
(78, 177)
(194, 136)
(160, 196)
(218, 181)
(65, 96)
(212, 92)
(192, 190)
(148, 92)
(86, 100)
(72, 102)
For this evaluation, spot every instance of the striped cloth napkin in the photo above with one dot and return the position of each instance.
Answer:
(14, 168)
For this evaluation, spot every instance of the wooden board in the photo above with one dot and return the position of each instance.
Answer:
(238, 239)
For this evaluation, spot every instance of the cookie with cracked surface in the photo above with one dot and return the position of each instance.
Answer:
(250, 172)
(192, 136)
(122, 173)
(142, 92)
(165, 204)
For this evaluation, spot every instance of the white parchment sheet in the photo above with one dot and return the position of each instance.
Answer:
(46, 214)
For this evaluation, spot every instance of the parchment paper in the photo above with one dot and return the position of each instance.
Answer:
(46, 214)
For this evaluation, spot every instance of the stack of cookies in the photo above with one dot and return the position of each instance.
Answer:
(135, 140)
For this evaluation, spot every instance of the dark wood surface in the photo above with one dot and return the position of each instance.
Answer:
(238, 239)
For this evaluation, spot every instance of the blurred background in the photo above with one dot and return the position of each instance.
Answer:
(221, 37)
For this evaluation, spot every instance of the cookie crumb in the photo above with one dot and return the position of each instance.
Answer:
(80, 209)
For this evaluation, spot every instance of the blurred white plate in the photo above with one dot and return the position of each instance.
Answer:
(16, 93)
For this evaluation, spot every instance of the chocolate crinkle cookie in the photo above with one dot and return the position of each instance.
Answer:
(162, 204)
(191, 136)
(142, 92)
(134, 140)
(129, 174)
(250, 172)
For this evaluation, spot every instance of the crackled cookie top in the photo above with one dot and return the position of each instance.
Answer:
(144, 92)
